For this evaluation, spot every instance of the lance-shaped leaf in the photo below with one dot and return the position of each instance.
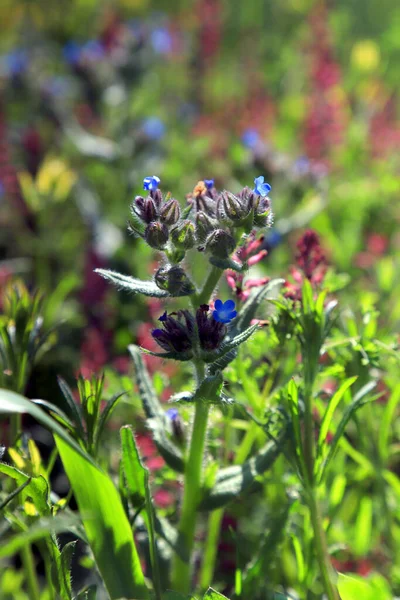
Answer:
(234, 480)
(210, 389)
(172, 355)
(214, 355)
(214, 595)
(155, 413)
(359, 400)
(131, 284)
(249, 310)
(137, 481)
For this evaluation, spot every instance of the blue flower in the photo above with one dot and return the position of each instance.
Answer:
(209, 183)
(153, 128)
(250, 138)
(224, 312)
(151, 183)
(161, 40)
(72, 52)
(261, 188)
(172, 413)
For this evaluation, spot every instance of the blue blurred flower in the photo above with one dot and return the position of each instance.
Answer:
(151, 183)
(209, 183)
(93, 50)
(224, 312)
(161, 40)
(15, 63)
(272, 240)
(153, 128)
(72, 52)
(250, 138)
(172, 413)
(302, 165)
(261, 188)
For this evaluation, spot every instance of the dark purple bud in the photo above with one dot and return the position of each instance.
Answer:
(232, 207)
(174, 280)
(263, 216)
(204, 226)
(220, 243)
(248, 197)
(170, 212)
(183, 235)
(177, 332)
(157, 197)
(156, 235)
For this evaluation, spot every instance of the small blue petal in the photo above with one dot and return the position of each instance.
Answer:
(153, 128)
(261, 188)
(250, 138)
(218, 304)
(229, 305)
(172, 413)
(163, 317)
(209, 183)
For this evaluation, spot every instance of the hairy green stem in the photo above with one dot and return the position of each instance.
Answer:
(209, 286)
(181, 570)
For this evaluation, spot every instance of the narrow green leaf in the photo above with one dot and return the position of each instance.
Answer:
(14, 493)
(131, 284)
(333, 404)
(214, 355)
(104, 417)
(232, 481)
(249, 310)
(358, 588)
(106, 525)
(213, 595)
(62, 570)
(359, 400)
(387, 422)
(363, 527)
(210, 389)
(155, 413)
(74, 407)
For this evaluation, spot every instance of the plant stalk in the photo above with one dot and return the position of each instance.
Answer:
(30, 573)
(181, 570)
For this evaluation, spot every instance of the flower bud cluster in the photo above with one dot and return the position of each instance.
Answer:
(213, 222)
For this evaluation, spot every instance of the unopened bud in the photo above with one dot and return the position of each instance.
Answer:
(204, 226)
(220, 243)
(174, 280)
(156, 235)
(232, 207)
(263, 215)
(157, 197)
(183, 235)
(145, 209)
(170, 212)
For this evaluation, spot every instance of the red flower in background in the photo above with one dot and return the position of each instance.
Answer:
(310, 264)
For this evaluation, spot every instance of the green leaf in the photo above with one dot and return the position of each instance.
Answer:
(355, 588)
(155, 414)
(106, 524)
(249, 310)
(36, 532)
(137, 480)
(37, 488)
(359, 400)
(172, 355)
(214, 355)
(131, 284)
(74, 407)
(105, 415)
(213, 595)
(227, 263)
(62, 570)
(333, 404)
(232, 481)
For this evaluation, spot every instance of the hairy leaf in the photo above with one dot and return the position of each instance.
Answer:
(131, 284)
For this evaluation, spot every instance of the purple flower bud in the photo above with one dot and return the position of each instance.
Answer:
(220, 243)
(177, 331)
(183, 235)
(145, 209)
(170, 212)
(156, 235)
(263, 216)
(174, 280)
(232, 207)
(211, 332)
(204, 226)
